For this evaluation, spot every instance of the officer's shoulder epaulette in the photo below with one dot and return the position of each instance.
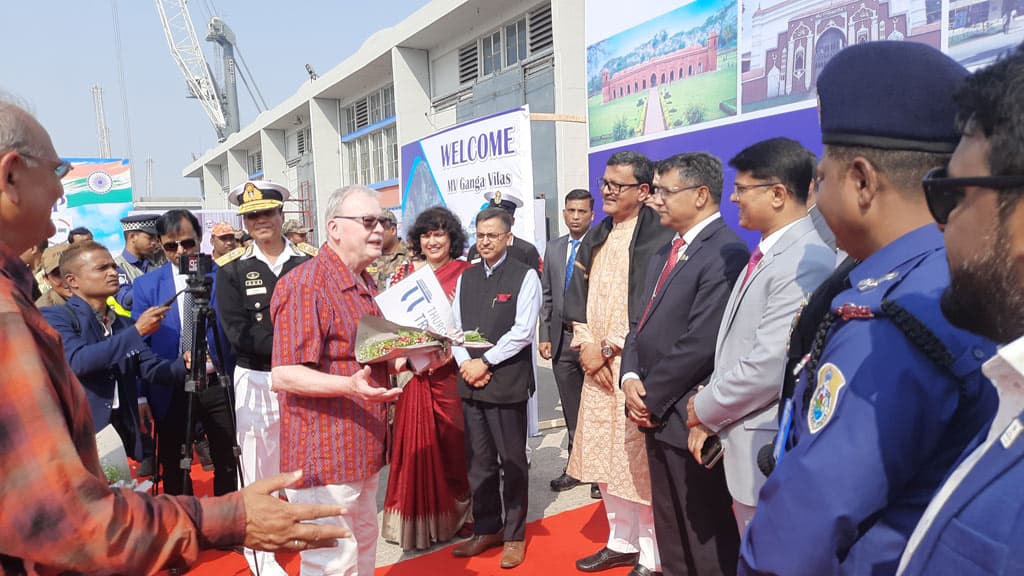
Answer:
(307, 249)
(231, 256)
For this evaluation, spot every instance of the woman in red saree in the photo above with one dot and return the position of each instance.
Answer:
(428, 497)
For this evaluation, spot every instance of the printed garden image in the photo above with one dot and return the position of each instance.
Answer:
(670, 72)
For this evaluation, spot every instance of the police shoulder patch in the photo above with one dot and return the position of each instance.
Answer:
(826, 397)
(230, 256)
(307, 249)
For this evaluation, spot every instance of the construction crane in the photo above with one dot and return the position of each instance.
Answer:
(219, 101)
(101, 122)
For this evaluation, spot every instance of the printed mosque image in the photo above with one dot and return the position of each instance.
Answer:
(792, 40)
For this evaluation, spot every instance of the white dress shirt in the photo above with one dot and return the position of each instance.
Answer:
(522, 332)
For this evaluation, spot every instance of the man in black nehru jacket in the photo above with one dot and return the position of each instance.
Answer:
(500, 296)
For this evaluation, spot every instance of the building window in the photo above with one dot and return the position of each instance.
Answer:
(353, 163)
(375, 107)
(507, 46)
(515, 42)
(391, 134)
(364, 160)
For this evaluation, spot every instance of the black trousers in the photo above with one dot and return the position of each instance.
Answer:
(214, 408)
(693, 517)
(493, 431)
(569, 378)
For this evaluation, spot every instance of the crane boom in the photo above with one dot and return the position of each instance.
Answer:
(101, 122)
(184, 45)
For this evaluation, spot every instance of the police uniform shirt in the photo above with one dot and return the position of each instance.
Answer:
(877, 422)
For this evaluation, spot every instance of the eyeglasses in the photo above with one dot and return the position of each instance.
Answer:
(60, 170)
(616, 187)
(172, 246)
(227, 238)
(490, 237)
(369, 222)
(666, 191)
(944, 194)
(741, 189)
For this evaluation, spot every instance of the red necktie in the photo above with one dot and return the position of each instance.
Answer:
(755, 257)
(673, 257)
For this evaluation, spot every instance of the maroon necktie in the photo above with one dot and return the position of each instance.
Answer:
(673, 257)
(755, 257)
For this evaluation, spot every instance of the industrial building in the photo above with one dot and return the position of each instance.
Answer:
(449, 62)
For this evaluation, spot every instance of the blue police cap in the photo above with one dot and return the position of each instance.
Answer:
(890, 95)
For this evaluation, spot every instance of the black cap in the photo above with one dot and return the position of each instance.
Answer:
(891, 95)
(141, 222)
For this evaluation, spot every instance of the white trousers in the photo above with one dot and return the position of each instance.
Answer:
(357, 554)
(744, 514)
(258, 427)
(631, 529)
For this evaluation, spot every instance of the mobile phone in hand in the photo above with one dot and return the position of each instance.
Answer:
(711, 452)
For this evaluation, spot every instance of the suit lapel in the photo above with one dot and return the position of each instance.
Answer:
(561, 253)
(690, 252)
(173, 319)
(788, 239)
(87, 318)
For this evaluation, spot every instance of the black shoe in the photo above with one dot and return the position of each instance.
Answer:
(203, 450)
(564, 482)
(604, 559)
(641, 570)
(146, 468)
(595, 492)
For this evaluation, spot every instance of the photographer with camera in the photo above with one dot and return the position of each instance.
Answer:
(105, 350)
(179, 233)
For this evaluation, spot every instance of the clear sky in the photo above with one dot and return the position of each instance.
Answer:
(55, 50)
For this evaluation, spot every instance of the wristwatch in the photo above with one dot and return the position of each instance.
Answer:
(607, 351)
(486, 362)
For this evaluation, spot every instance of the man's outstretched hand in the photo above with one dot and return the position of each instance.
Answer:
(272, 524)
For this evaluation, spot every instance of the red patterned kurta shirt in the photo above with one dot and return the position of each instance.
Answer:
(316, 309)
(56, 509)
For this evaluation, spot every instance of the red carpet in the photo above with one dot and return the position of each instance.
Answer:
(553, 545)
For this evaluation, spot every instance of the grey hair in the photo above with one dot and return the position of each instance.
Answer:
(339, 196)
(15, 125)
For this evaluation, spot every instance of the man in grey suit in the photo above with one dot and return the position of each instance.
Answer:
(555, 332)
(790, 261)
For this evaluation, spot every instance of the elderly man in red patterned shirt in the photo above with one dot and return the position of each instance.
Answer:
(58, 513)
(333, 416)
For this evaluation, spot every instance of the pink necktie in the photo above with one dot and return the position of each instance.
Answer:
(755, 257)
(673, 257)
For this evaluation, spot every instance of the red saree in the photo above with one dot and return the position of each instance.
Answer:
(428, 497)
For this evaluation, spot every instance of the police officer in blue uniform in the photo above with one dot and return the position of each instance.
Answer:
(136, 259)
(891, 393)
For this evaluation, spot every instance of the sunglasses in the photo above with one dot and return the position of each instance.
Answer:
(227, 238)
(186, 244)
(369, 222)
(944, 194)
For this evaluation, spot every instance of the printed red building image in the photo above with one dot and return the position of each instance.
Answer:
(661, 70)
(791, 41)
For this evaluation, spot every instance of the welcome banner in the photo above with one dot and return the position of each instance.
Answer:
(458, 167)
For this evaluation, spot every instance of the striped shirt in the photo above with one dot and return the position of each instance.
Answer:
(57, 513)
(315, 310)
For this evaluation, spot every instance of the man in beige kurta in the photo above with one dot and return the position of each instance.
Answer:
(609, 449)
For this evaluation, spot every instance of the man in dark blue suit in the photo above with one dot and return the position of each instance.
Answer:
(975, 522)
(670, 352)
(106, 352)
(179, 233)
(555, 334)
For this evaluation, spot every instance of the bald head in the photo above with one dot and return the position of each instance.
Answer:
(29, 181)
